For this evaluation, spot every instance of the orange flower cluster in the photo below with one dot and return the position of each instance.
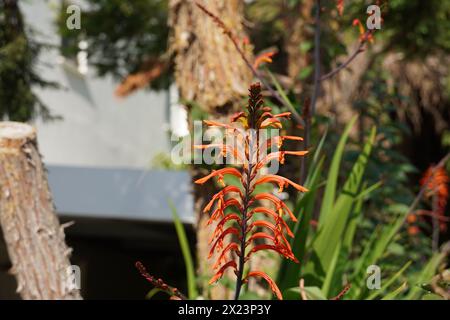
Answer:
(437, 186)
(242, 226)
(436, 181)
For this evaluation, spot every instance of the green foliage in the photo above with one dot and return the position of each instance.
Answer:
(415, 27)
(18, 56)
(425, 31)
(387, 163)
(424, 276)
(311, 293)
(123, 36)
(163, 160)
(333, 175)
(330, 257)
(388, 283)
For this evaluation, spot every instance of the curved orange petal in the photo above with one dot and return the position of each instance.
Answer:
(220, 173)
(219, 274)
(287, 252)
(230, 230)
(283, 115)
(271, 283)
(220, 195)
(237, 116)
(274, 215)
(271, 122)
(276, 231)
(278, 140)
(281, 181)
(219, 227)
(280, 156)
(281, 250)
(233, 202)
(295, 153)
(259, 235)
(263, 57)
(280, 205)
(233, 246)
(213, 123)
(219, 212)
(273, 155)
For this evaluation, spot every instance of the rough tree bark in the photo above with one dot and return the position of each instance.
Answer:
(33, 235)
(208, 69)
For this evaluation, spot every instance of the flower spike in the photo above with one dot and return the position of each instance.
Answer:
(242, 226)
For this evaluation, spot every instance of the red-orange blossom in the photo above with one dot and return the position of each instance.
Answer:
(247, 227)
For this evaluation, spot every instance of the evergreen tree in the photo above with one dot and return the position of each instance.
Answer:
(18, 57)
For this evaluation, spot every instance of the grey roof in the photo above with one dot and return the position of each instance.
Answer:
(118, 193)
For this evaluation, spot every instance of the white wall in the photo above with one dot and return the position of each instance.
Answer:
(97, 128)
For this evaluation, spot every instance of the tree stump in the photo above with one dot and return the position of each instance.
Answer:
(33, 235)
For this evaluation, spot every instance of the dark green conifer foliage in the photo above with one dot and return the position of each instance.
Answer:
(18, 74)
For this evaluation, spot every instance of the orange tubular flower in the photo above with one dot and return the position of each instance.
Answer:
(246, 228)
(281, 181)
(280, 139)
(219, 173)
(265, 57)
(279, 155)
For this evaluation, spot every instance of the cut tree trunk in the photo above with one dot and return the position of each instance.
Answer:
(33, 235)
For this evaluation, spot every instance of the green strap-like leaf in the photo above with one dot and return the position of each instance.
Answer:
(389, 282)
(333, 174)
(425, 276)
(186, 251)
(332, 230)
(289, 271)
(395, 293)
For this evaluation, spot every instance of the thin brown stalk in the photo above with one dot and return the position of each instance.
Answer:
(302, 289)
(343, 292)
(311, 109)
(352, 57)
(159, 283)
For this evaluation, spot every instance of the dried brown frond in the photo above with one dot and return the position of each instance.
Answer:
(141, 79)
